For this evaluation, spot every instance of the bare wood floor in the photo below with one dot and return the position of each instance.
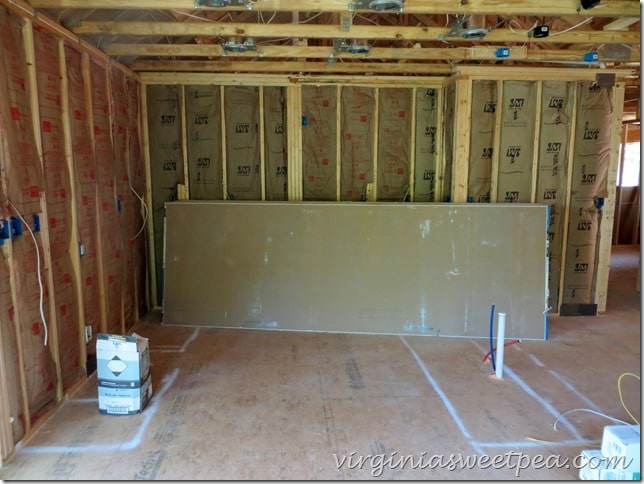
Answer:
(250, 404)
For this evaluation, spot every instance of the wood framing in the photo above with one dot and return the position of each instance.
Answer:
(154, 299)
(608, 210)
(51, 322)
(294, 142)
(616, 8)
(318, 31)
(463, 123)
(73, 245)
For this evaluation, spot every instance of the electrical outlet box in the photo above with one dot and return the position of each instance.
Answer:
(88, 334)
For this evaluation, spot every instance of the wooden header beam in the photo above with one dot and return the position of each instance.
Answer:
(278, 51)
(290, 67)
(613, 8)
(316, 31)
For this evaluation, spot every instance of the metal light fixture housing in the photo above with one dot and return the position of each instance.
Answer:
(218, 3)
(352, 47)
(471, 27)
(381, 5)
(235, 44)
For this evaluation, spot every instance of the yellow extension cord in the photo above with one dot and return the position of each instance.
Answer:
(621, 398)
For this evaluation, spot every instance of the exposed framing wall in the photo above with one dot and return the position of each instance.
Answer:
(317, 107)
(517, 99)
(561, 196)
(70, 164)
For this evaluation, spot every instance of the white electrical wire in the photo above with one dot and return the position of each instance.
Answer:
(40, 285)
(145, 213)
(591, 411)
(552, 34)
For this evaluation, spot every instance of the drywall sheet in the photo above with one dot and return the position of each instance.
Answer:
(59, 204)
(205, 152)
(394, 143)
(484, 101)
(426, 145)
(166, 160)
(24, 184)
(358, 106)
(431, 269)
(275, 152)
(319, 142)
(109, 206)
(552, 176)
(241, 105)
(517, 140)
(85, 174)
(449, 113)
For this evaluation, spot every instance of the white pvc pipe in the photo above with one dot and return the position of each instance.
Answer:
(500, 345)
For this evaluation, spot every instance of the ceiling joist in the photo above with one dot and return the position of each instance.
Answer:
(612, 8)
(316, 31)
(278, 51)
(287, 67)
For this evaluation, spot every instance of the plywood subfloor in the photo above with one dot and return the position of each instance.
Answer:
(253, 404)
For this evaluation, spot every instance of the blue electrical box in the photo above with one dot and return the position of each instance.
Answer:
(502, 52)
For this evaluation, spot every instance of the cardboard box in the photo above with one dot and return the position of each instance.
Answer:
(123, 369)
(623, 441)
(124, 401)
(597, 467)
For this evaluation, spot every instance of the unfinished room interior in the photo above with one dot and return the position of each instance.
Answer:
(320, 239)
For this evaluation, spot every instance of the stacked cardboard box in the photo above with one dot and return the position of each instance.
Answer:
(618, 459)
(123, 367)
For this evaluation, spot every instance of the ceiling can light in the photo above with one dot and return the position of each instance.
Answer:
(469, 27)
(360, 46)
(381, 5)
(588, 4)
(236, 44)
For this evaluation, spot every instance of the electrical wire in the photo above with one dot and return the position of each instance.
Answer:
(40, 284)
(591, 411)
(573, 444)
(509, 343)
(583, 22)
(145, 213)
(621, 397)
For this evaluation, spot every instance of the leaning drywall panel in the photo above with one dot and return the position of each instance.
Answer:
(426, 142)
(59, 204)
(205, 155)
(484, 102)
(358, 105)
(275, 136)
(108, 204)
(552, 177)
(241, 105)
(517, 140)
(394, 143)
(85, 173)
(166, 161)
(319, 142)
(432, 269)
